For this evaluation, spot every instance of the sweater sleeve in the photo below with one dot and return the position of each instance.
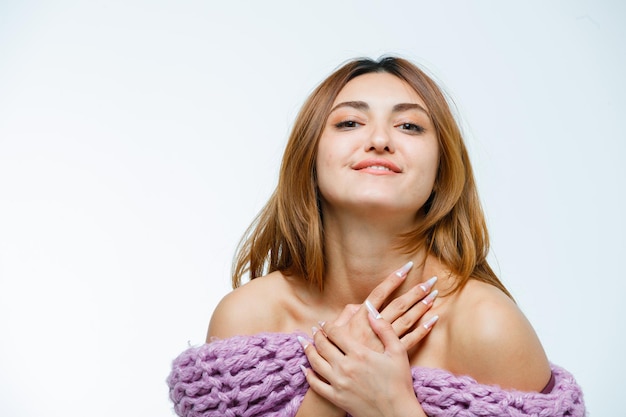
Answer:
(260, 375)
(444, 394)
(240, 376)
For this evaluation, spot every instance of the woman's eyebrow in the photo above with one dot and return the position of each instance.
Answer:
(408, 106)
(398, 108)
(359, 105)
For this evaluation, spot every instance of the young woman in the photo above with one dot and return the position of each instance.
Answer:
(375, 241)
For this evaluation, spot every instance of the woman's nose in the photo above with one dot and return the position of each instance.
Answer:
(380, 141)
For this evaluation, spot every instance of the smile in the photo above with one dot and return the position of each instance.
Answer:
(377, 164)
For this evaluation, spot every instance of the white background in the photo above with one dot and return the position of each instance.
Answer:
(139, 138)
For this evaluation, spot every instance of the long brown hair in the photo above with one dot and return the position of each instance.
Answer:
(288, 233)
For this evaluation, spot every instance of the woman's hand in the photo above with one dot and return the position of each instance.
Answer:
(358, 379)
(403, 312)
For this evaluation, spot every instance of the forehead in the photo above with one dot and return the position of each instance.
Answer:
(379, 87)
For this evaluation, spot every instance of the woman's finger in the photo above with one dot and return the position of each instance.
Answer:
(412, 338)
(383, 290)
(387, 335)
(321, 387)
(317, 362)
(403, 303)
(326, 347)
(333, 341)
(410, 317)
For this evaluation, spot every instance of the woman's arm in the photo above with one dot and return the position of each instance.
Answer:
(314, 405)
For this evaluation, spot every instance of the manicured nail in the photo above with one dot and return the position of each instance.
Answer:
(303, 342)
(428, 300)
(314, 330)
(372, 310)
(304, 370)
(428, 284)
(401, 273)
(430, 323)
(321, 324)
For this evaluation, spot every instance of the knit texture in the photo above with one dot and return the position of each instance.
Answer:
(260, 376)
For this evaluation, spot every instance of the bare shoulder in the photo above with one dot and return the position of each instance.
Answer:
(249, 309)
(492, 341)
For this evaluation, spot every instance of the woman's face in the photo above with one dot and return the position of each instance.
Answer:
(378, 152)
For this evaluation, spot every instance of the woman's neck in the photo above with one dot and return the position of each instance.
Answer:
(359, 255)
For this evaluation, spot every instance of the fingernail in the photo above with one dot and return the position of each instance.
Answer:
(303, 369)
(430, 323)
(428, 300)
(321, 323)
(314, 330)
(428, 284)
(303, 342)
(372, 310)
(401, 273)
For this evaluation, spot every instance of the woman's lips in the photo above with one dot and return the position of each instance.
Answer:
(377, 166)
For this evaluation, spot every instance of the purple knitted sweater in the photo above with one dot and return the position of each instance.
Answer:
(260, 376)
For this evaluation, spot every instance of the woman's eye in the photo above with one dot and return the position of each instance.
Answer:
(412, 127)
(346, 124)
